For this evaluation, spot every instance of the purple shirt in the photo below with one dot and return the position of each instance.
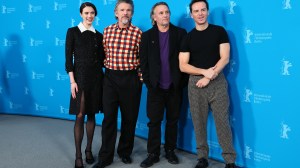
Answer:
(165, 74)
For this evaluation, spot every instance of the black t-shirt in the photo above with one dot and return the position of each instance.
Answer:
(203, 46)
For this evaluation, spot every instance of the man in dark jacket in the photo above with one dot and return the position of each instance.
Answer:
(159, 52)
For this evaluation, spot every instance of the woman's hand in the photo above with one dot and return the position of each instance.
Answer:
(74, 89)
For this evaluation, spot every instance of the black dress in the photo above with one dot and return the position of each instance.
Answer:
(84, 57)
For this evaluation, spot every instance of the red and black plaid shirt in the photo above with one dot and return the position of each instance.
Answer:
(121, 46)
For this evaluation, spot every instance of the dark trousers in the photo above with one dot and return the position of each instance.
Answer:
(120, 89)
(159, 100)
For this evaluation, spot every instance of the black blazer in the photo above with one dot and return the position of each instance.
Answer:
(150, 56)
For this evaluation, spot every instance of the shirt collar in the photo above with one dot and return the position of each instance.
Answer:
(82, 28)
(127, 28)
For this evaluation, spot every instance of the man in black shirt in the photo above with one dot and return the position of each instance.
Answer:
(204, 53)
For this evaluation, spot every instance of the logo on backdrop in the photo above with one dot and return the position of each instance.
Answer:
(22, 25)
(5, 42)
(213, 144)
(285, 67)
(72, 22)
(231, 65)
(55, 6)
(58, 6)
(141, 126)
(286, 4)
(40, 107)
(247, 95)
(14, 106)
(63, 110)
(187, 11)
(24, 58)
(37, 76)
(6, 10)
(26, 91)
(49, 60)
(59, 42)
(106, 2)
(8, 43)
(248, 152)
(251, 37)
(97, 21)
(248, 34)
(232, 4)
(51, 91)
(35, 43)
(61, 77)
(34, 9)
(284, 131)
(256, 98)
(48, 24)
(11, 75)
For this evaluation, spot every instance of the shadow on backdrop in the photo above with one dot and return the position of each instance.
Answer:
(237, 70)
(2, 96)
(16, 87)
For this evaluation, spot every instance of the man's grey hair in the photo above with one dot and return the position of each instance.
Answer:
(153, 22)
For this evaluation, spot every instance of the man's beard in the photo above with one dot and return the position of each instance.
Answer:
(125, 21)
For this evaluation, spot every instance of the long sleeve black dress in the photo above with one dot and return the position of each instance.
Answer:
(84, 57)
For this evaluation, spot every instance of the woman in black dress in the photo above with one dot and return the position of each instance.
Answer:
(84, 62)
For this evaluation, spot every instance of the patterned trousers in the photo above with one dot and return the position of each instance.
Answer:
(213, 97)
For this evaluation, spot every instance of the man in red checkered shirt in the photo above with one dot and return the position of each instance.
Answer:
(121, 86)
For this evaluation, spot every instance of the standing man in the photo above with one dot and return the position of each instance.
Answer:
(121, 86)
(160, 67)
(204, 53)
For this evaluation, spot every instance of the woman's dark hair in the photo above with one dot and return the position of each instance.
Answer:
(85, 4)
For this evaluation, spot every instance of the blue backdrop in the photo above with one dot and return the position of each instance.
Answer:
(262, 73)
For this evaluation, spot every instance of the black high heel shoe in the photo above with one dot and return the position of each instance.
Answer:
(87, 159)
(79, 158)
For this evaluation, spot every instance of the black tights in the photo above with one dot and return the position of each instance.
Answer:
(79, 132)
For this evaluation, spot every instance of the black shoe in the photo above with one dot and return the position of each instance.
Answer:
(202, 163)
(172, 158)
(101, 164)
(89, 157)
(231, 165)
(78, 160)
(150, 160)
(126, 159)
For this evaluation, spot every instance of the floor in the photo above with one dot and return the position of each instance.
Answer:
(35, 142)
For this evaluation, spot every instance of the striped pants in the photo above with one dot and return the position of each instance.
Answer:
(213, 97)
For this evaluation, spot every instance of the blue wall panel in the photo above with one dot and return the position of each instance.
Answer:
(263, 72)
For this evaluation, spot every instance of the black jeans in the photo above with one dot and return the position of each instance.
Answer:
(158, 101)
